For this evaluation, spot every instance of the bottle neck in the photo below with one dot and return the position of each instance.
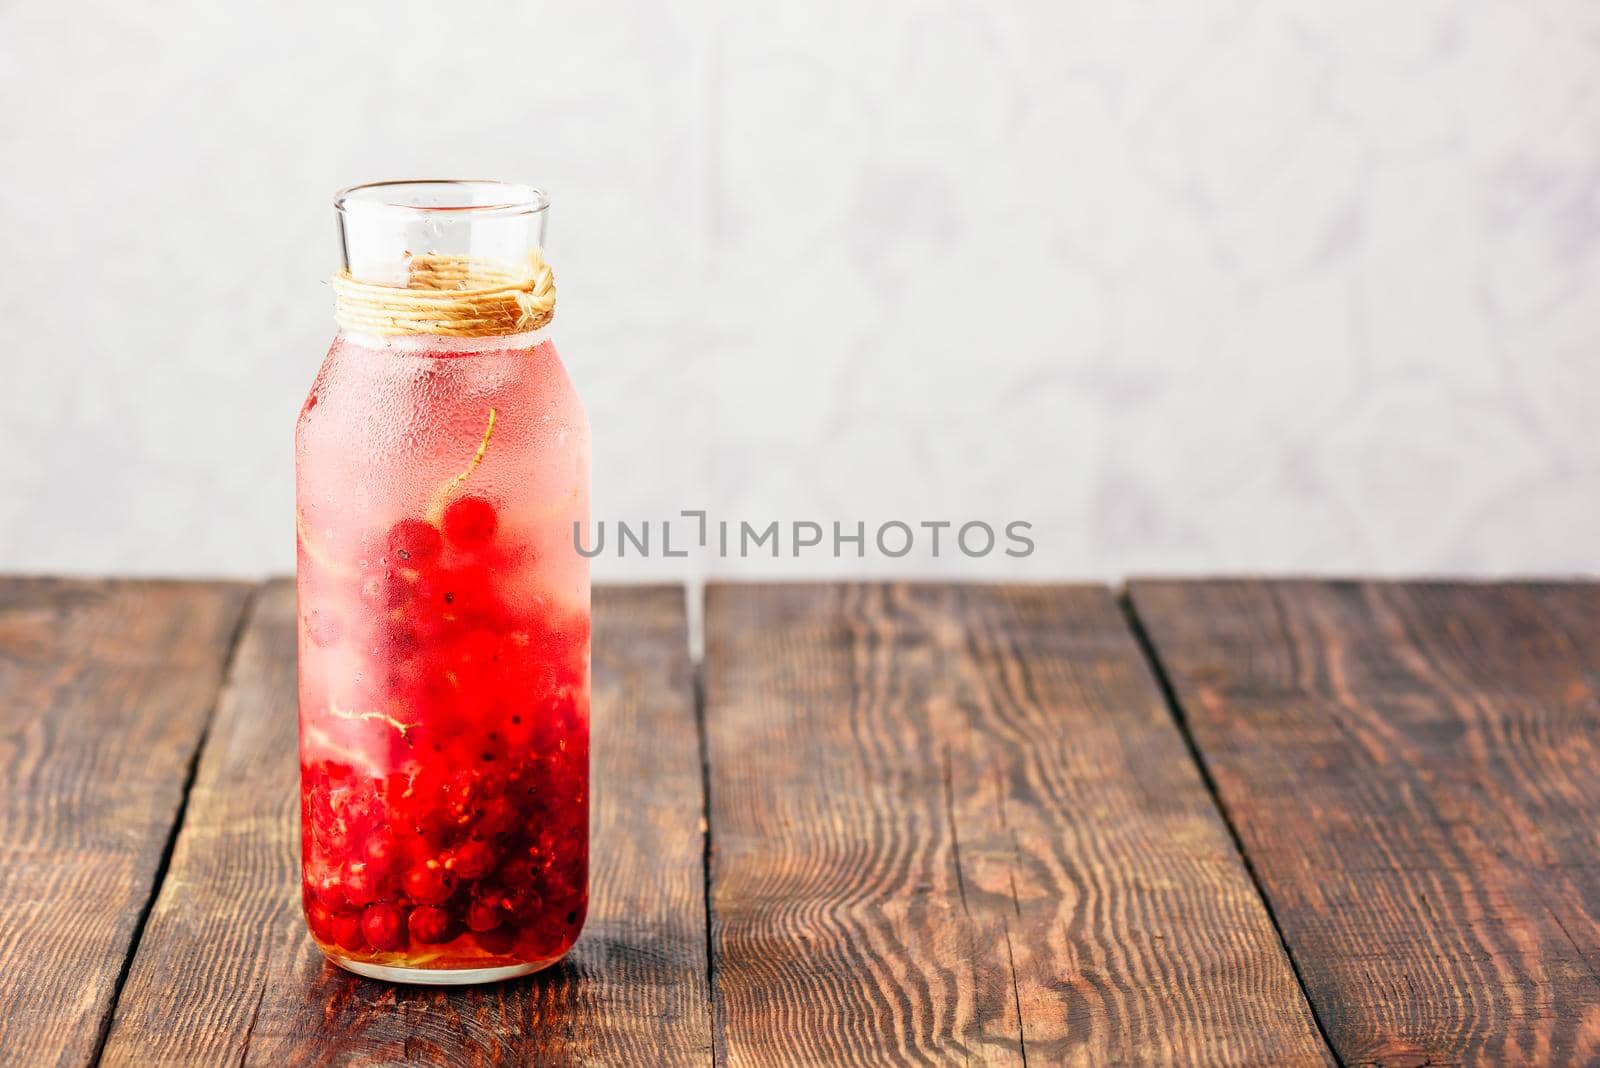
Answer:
(447, 259)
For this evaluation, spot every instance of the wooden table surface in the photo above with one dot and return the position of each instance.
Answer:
(1217, 822)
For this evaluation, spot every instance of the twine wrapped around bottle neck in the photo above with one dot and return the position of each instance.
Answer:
(452, 296)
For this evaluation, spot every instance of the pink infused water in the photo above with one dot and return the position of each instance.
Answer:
(444, 655)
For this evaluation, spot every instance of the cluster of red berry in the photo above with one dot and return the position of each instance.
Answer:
(468, 846)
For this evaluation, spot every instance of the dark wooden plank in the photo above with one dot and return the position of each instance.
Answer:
(105, 688)
(1414, 771)
(227, 973)
(959, 824)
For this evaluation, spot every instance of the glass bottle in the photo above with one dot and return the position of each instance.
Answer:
(441, 460)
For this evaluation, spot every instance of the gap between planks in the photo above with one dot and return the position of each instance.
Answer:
(719, 1048)
(158, 881)
(1169, 694)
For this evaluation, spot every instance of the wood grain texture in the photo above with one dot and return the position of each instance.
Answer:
(105, 690)
(1415, 773)
(227, 973)
(956, 824)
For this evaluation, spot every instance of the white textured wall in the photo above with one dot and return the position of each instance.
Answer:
(1193, 286)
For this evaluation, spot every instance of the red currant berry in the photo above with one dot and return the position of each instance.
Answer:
(517, 873)
(347, 931)
(497, 818)
(474, 859)
(320, 919)
(325, 885)
(457, 597)
(541, 941)
(434, 826)
(429, 883)
(431, 925)
(470, 521)
(363, 882)
(414, 543)
(525, 905)
(485, 915)
(384, 927)
(498, 941)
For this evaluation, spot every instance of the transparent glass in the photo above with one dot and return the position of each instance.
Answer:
(443, 621)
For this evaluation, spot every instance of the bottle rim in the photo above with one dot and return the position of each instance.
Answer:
(456, 197)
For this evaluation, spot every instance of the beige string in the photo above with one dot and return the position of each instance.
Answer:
(450, 295)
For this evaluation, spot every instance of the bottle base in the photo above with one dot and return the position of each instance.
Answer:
(438, 976)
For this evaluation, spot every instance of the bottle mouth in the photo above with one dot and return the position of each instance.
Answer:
(457, 197)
